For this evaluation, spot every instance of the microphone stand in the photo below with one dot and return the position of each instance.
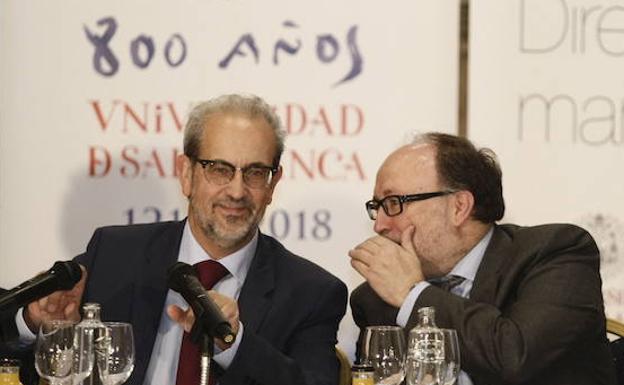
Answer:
(206, 350)
(202, 335)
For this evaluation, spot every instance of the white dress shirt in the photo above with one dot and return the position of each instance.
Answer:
(467, 268)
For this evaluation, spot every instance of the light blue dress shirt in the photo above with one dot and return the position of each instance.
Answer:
(163, 366)
(467, 268)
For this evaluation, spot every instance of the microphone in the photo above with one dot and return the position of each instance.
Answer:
(62, 276)
(182, 277)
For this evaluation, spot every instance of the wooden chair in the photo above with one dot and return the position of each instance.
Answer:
(617, 347)
(345, 367)
(615, 327)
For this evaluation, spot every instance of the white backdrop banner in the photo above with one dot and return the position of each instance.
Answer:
(94, 97)
(546, 95)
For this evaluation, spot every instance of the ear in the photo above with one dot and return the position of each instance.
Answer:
(184, 169)
(276, 178)
(463, 204)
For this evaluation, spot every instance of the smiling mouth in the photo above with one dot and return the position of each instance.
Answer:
(233, 210)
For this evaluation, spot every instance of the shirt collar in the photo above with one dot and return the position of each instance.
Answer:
(237, 263)
(467, 266)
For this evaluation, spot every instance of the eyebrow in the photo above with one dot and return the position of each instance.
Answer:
(385, 194)
(247, 165)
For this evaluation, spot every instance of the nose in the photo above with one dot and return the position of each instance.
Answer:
(236, 187)
(382, 223)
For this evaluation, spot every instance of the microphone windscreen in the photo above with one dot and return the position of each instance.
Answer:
(176, 274)
(67, 274)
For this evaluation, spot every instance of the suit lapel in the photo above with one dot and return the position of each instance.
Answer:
(151, 290)
(488, 278)
(254, 300)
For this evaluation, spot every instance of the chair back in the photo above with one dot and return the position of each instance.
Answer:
(615, 327)
(345, 367)
(617, 347)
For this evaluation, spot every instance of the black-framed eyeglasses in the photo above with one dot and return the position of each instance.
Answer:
(220, 172)
(393, 204)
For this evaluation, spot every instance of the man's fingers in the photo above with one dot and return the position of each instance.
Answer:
(175, 313)
(361, 268)
(360, 255)
(365, 252)
(230, 312)
(41, 303)
(228, 307)
(71, 312)
(185, 318)
(54, 298)
(78, 288)
(380, 242)
(407, 237)
(51, 306)
(373, 244)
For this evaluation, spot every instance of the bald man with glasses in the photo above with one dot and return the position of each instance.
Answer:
(526, 301)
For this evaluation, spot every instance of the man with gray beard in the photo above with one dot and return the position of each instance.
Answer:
(284, 309)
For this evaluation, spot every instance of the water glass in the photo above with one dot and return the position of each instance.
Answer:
(432, 357)
(114, 350)
(9, 371)
(54, 351)
(384, 349)
(450, 366)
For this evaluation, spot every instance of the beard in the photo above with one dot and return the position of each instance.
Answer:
(226, 230)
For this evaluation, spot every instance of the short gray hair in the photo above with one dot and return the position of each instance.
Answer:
(250, 106)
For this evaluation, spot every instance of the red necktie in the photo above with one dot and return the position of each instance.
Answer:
(209, 272)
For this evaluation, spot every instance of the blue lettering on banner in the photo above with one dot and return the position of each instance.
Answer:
(148, 43)
(246, 39)
(327, 50)
(143, 49)
(150, 214)
(283, 45)
(103, 54)
(303, 225)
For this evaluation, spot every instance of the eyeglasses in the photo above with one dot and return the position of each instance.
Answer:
(393, 204)
(220, 172)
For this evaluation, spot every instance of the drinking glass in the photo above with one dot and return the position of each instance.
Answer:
(434, 359)
(114, 347)
(450, 366)
(384, 348)
(54, 351)
(9, 371)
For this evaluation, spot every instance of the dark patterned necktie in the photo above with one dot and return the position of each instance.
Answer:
(209, 272)
(448, 283)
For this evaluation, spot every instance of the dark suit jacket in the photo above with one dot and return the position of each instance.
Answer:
(535, 313)
(290, 308)
(8, 330)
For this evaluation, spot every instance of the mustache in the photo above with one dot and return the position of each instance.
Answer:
(244, 202)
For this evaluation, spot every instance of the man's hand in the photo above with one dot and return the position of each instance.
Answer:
(391, 269)
(60, 305)
(186, 318)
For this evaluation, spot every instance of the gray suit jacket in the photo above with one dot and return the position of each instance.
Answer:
(535, 313)
(290, 308)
